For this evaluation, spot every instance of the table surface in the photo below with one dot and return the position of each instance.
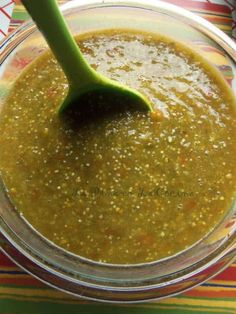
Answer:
(20, 293)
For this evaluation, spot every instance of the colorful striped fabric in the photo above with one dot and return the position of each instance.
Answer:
(20, 293)
(6, 7)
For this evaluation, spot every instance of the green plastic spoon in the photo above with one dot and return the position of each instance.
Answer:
(81, 76)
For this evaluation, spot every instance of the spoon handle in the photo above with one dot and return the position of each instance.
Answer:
(50, 21)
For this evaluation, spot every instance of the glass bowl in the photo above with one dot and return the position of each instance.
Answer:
(80, 276)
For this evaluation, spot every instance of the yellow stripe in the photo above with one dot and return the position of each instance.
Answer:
(203, 302)
(160, 306)
(212, 17)
(19, 8)
(224, 27)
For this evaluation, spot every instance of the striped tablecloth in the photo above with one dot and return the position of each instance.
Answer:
(20, 293)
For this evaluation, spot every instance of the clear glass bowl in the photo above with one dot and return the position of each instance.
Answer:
(80, 276)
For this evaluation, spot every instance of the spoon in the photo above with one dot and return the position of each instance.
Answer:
(82, 78)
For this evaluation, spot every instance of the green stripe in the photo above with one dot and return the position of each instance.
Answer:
(23, 307)
(20, 15)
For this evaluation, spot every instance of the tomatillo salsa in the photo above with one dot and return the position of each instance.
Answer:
(127, 187)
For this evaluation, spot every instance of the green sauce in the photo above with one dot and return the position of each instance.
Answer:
(128, 187)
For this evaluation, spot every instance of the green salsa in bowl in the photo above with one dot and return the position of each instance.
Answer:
(131, 203)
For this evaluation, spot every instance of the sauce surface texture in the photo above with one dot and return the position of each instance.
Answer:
(131, 187)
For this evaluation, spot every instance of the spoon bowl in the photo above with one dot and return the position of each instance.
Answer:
(107, 95)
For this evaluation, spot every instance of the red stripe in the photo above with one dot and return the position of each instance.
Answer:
(16, 21)
(229, 274)
(218, 19)
(4, 261)
(5, 13)
(17, 282)
(1, 31)
(6, 5)
(201, 5)
(211, 293)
